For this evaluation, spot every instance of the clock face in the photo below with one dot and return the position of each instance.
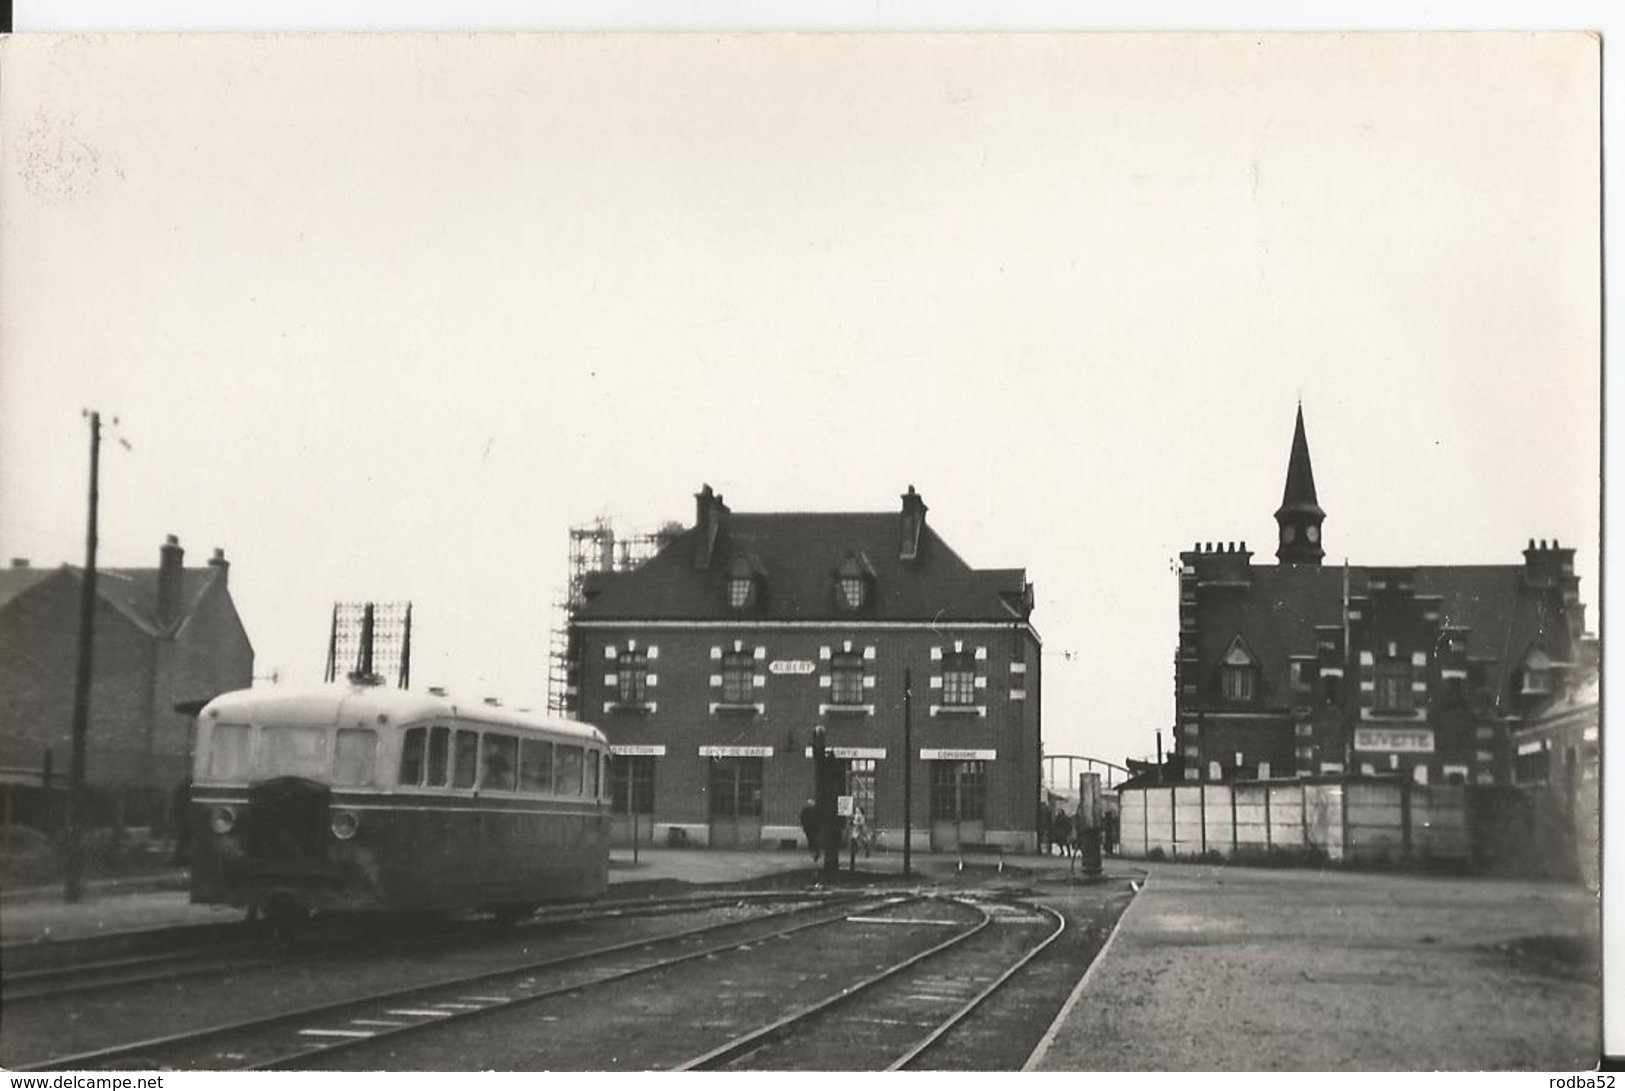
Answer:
(1314, 534)
(1288, 533)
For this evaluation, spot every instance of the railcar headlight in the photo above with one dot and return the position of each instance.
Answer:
(223, 819)
(344, 825)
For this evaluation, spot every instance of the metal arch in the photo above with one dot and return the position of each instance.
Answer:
(1073, 764)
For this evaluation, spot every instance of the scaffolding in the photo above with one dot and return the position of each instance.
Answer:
(593, 548)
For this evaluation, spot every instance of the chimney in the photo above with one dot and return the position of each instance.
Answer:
(219, 563)
(708, 512)
(913, 523)
(169, 581)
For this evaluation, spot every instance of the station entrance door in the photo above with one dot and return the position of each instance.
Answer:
(958, 804)
(631, 798)
(735, 792)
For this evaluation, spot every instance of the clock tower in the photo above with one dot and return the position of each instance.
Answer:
(1300, 515)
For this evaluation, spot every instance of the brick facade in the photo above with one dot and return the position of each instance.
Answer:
(1421, 672)
(137, 745)
(735, 692)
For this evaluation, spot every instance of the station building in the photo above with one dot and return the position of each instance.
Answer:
(710, 664)
(1428, 672)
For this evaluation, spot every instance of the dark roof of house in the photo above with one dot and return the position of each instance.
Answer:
(796, 556)
(1277, 618)
(133, 592)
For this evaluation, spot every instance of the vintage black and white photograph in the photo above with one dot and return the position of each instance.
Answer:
(644, 552)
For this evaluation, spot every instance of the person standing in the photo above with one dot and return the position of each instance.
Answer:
(809, 827)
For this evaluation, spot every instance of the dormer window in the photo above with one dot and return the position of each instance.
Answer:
(744, 583)
(853, 578)
(1239, 672)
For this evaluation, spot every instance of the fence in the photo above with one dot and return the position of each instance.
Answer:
(1346, 819)
(1530, 831)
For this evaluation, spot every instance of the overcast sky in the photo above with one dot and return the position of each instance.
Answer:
(384, 318)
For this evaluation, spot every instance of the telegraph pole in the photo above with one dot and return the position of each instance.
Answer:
(908, 771)
(73, 888)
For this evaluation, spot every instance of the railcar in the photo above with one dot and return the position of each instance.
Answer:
(353, 796)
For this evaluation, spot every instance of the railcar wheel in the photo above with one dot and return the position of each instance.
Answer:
(513, 914)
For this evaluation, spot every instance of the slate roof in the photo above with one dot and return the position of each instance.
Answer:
(796, 555)
(133, 592)
(1278, 616)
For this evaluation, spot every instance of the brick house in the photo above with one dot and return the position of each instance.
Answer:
(710, 664)
(164, 636)
(1424, 672)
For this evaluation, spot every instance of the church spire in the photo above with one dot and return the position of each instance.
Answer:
(1300, 515)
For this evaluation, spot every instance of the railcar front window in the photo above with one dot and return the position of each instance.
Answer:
(592, 774)
(500, 756)
(535, 766)
(355, 756)
(229, 751)
(465, 759)
(569, 770)
(293, 750)
(412, 755)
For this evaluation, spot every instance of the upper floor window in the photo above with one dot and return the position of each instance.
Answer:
(744, 583)
(1239, 673)
(958, 678)
(846, 678)
(853, 578)
(738, 669)
(1393, 692)
(632, 677)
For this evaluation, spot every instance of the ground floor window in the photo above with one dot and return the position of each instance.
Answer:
(632, 784)
(958, 791)
(736, 788)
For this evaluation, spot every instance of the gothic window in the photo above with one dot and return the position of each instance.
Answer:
(1238, 674)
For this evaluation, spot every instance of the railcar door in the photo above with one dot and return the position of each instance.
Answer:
(736, 802)
(958, 804)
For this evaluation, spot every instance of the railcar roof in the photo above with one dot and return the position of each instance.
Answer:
(350, 703)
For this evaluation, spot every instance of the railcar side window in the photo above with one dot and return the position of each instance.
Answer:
(297, 750)
(500, 756)
(592, 773)
(569, 770)
(465, 755)
(439, 746)
(412, 755)
(535, 765)
(355, 755)
(229, 751)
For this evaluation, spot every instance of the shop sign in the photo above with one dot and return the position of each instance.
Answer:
(791, 666)
(850, 753)
(1405, 740)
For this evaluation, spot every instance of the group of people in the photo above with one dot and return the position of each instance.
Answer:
(855, 832)
(1062, 832)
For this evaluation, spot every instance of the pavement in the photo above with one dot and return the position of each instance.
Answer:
(1211, 968)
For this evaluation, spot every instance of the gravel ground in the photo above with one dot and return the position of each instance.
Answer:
(1236, 969)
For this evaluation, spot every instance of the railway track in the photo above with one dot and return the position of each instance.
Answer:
(903, 1015)
(863, 980)
(312, 1034)
(135, 959)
